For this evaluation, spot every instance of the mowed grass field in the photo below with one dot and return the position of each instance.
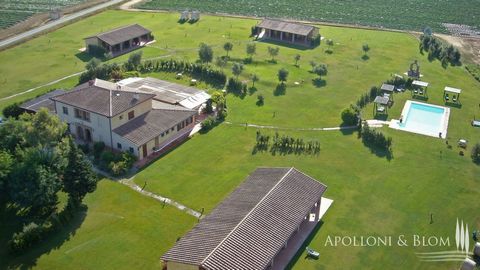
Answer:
(373, 195)
(407, 15)
(119, 229)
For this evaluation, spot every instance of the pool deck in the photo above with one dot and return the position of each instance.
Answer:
(395, 124)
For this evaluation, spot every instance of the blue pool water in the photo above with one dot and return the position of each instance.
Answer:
(424, 119)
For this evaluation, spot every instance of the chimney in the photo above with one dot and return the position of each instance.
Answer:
(136, 96)
(91, 82)
(119, 87)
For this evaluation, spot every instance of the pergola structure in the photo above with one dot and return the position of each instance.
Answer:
(381, 104)
(420, 88)
(388, 90)
(455, 94)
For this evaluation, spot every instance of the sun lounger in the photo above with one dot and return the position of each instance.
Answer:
(446, 97)
(454, 99)
(415, 91)
(312, 253)
(380, 109)
(476, 123)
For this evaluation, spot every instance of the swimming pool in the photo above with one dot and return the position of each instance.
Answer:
(423, 118)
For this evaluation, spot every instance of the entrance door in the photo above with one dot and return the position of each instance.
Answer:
(80, 134)
(144, 148)
(88, 135)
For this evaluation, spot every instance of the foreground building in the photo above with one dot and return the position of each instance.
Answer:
(122, 118)
(288, 32)
(261, 225)
(121, 40)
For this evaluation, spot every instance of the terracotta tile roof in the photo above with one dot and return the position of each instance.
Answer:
(289, 27)
(103, 97)
(43, 101)
(122, 34)
(250, 227)
(151, 124)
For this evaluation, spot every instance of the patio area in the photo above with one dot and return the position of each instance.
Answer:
(295, 244)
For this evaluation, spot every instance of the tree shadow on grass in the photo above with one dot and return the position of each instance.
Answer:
(84, 56)
(286, 44)
(381, 116)
(453, 104)
(280, 90)
(419, 97)
(347, 129)
(52, 241)
(365, 57)
(252, 90)
(382, 153)
(317, 82)
(305, 244)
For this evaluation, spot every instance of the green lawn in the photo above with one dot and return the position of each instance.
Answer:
(120, 229)
(372, 194)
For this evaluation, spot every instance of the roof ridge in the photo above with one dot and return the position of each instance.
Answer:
(172, 110)
(313, 178)
(247, 215)
(116, 29)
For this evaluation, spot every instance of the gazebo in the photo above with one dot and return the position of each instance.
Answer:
(420, 88)
(455, 94)
(381, 104)
(387, 90)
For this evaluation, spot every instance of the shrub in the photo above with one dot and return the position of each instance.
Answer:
(98, 148)
(208, 124)
(205, 53)
(253, 31)
(12, 110)
(349, 117)
(85, 148)
(129, 159)
(316, 40)
(260, 100)
(476, 153)
(30, 234)
(235, 86)
(208, 107)
(118, 168)
(96, 51)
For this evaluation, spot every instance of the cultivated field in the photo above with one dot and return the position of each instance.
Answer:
(408, 14)
(14, 11)
(372, 194)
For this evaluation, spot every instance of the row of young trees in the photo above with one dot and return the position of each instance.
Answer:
(286, 144)
(114, 71)
(440, 50)
(37, 161)
(205, 53)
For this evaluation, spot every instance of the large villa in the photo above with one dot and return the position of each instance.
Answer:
(122, 117)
